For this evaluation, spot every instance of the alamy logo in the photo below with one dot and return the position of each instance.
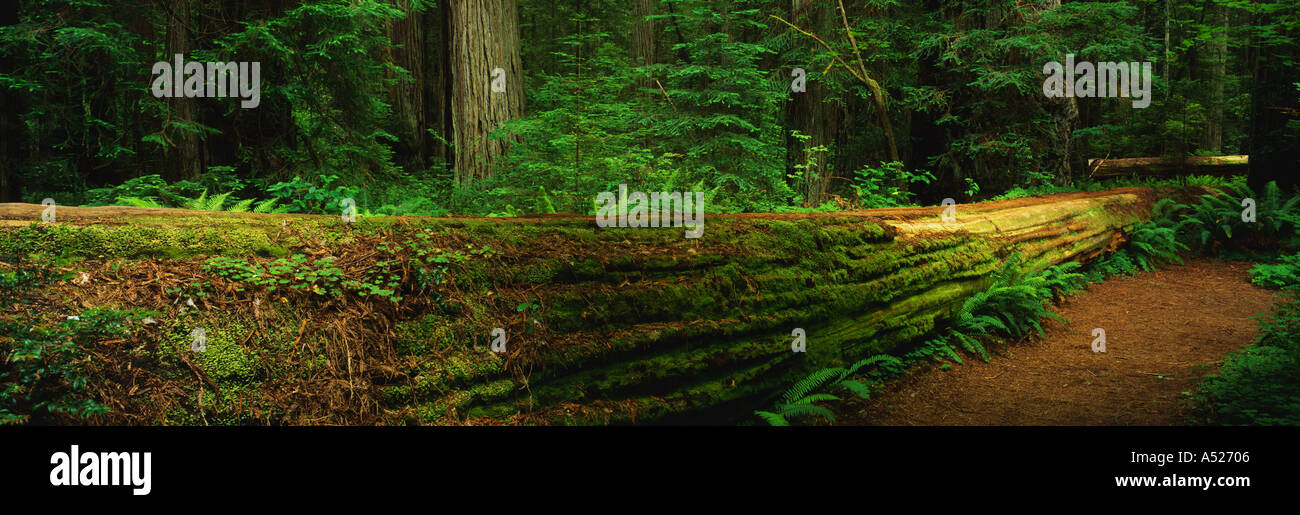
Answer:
(1086, 80)
(102, 469)
(658, 209)
(212, 80)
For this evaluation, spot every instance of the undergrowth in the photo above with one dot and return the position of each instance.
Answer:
(1010, 307)
(1260, 384)
(43, 376)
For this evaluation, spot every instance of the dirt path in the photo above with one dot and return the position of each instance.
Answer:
(1164, 330)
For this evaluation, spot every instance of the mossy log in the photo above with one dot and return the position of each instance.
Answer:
(604, 325)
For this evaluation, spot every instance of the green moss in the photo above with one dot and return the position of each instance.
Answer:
(224, 360)
(137, 241)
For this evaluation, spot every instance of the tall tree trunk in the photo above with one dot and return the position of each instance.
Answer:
(185, 157)
(1274, 154)
(1066, 113)
(1218, 55)
(643, 37)
(811, 114)
(484, 35)
(438, 88)
(11, 133)
(1166, 57)
(408, 97)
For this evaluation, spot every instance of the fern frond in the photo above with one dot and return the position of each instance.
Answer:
(857, 388)
(816, 397)
(138, 202)
(878, 358)
(773, 419)
(790, 411)
(808, 384)
(241, 206)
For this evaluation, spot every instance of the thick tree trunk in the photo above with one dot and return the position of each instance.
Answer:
(483, 37)
(1066, 114)
(185, 158)
(408, 96)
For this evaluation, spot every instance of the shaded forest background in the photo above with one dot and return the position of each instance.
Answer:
(389, 102)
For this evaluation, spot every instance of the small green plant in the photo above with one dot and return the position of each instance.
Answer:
(295, 272)
(528, 305)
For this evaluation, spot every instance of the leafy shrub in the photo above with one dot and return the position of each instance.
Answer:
(887, 185)
(324, 196)
(1283, 274)
(153, 191)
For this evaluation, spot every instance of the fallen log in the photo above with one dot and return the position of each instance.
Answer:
(602, 325)
(1221, 166)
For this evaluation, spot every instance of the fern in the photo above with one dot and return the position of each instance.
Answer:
(268, 206)
(858, 388)
(139, 202)
(877, 359)
(241, 206)
(800, 400)
(810, 383)
(773, 419)
(806, 410)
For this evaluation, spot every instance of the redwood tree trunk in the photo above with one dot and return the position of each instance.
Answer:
(184, 159)
(408, 96)
(810, 113)
(1218, 55)
(1274, 154)
(643, 37)
(483, 36)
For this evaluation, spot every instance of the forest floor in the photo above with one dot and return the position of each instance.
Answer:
(1164, 331)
